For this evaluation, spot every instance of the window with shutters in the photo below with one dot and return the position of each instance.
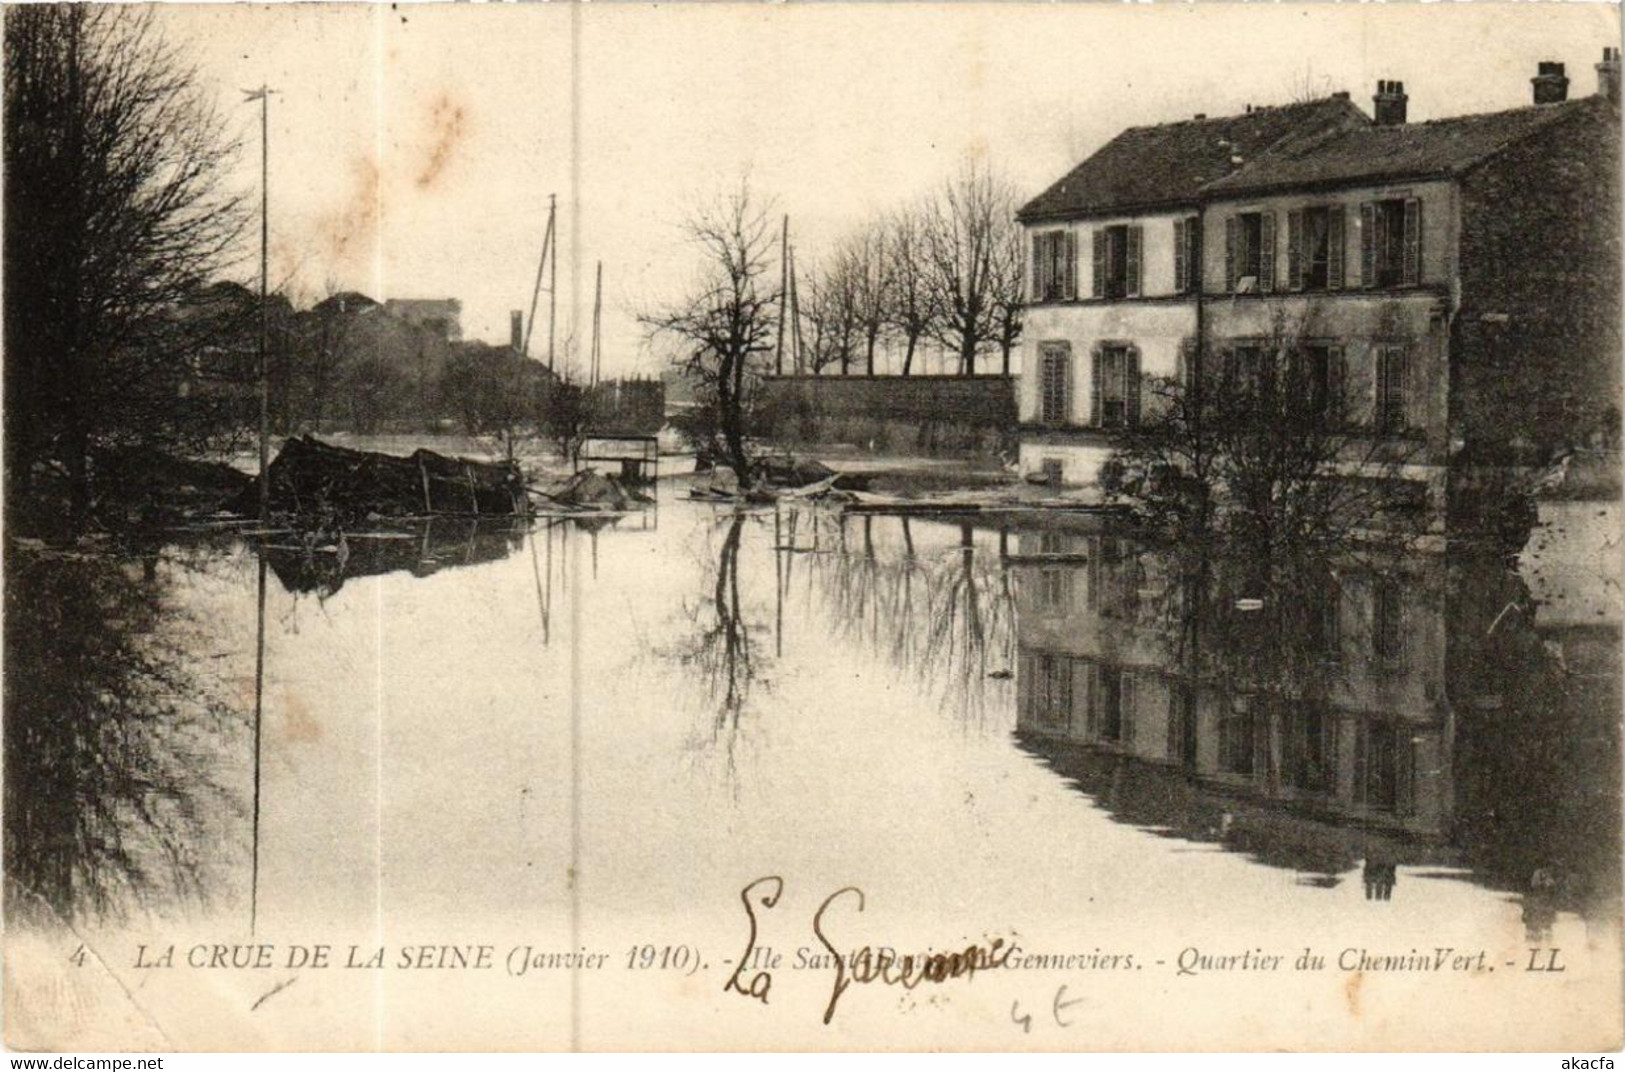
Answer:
(1182, 740)
(1116, 386)
(1115, 578)
(1054, 589)
(1055, 268)
(1244, 373)
(1392, 389)
(1384, 767)
(1051, 542)
(1236, 736)
(1322, 616)
(1387, 611)
(1055, 385)
(1315, 248)
(1390, 242)
(1112, 707)
(1250, 256)
(1322, 378)
(1117, 261)
(1052, 691)
(1187, 255)
(1310, 749)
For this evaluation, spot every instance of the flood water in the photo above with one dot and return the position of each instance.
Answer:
(585, 728)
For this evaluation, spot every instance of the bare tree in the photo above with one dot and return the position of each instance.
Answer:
(909, 310)
(115, 215)
(964, 231)
(566, 407)
(832, 313)
(1009, 290)
(728, 320)
(1261, 445)
(869, 271)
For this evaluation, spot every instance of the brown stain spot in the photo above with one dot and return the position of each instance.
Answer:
(447, 129)
(1351, 992)
(350, 233)
(299, 726)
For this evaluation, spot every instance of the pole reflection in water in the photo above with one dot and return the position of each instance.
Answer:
(259, 715)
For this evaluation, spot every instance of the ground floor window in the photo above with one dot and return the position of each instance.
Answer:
(1055, 385)
(1384, 767)
(1393, 389)
(1052, 691)
(1116, 386)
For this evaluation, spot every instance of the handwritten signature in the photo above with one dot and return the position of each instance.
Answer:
(865, 964)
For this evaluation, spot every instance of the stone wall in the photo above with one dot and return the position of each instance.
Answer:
(893, 414)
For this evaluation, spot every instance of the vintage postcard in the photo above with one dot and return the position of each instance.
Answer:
(812, 527)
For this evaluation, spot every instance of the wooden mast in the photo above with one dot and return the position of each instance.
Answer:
(535, 295)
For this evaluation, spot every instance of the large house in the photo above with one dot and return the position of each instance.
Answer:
(1456, 282)
(1129, 213)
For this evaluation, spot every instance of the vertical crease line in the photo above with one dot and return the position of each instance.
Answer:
(379, 22)
(575, 581)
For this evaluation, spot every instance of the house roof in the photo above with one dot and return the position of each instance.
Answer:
(1439, 148)
(346, 301)
(1169, 163)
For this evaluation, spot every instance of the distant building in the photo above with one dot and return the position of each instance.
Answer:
(440, 316)
(344, 303)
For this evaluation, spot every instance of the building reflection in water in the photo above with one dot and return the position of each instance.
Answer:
(1369, 712)
(1375, 711)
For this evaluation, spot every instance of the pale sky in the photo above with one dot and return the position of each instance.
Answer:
(413, 149)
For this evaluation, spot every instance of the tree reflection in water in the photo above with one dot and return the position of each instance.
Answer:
(112, 743)
(944, 615)
(719, 644)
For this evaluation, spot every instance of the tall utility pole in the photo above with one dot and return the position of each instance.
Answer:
(784, 293)
(597, 320)
(795, 316)
(263, 95)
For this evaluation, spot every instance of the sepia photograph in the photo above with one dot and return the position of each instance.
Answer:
(954, 527)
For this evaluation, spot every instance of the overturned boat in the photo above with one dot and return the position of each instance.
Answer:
(315, 479)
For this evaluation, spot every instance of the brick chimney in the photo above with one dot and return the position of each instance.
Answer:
(1389, 104)
(516, 330)
(1608, 74)
(1551, 84)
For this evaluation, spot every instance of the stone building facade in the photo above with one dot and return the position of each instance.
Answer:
(1455, 282)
